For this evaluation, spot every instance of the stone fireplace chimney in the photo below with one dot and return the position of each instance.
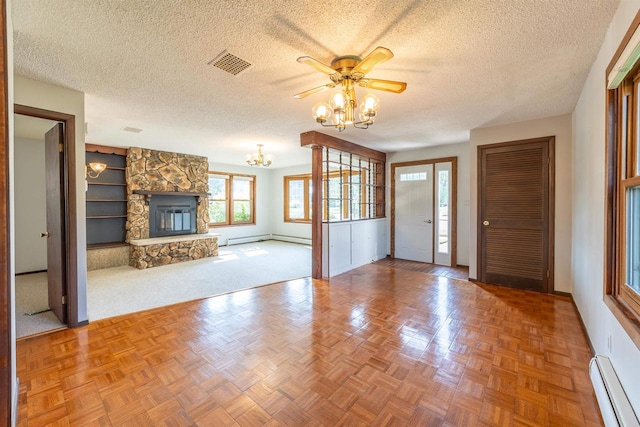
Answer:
(152, 173)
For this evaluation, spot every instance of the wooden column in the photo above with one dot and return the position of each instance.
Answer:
(316, 212)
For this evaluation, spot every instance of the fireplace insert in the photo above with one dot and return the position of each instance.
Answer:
(172, 215)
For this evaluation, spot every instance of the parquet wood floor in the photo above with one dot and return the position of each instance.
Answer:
(376, 346)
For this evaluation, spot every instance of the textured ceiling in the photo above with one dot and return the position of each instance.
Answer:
(144, 64)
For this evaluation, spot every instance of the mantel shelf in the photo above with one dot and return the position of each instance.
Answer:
(168, 193)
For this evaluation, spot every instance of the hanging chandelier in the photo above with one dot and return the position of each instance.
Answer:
(258, 159)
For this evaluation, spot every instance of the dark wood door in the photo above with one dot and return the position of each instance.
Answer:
(515, 214)
(54, 139)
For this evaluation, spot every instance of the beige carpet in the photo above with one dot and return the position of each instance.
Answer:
(122, 290)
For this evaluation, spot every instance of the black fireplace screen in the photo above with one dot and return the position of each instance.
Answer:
(172, 215)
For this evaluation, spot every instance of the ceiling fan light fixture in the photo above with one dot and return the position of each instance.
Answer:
(321, 112)
(347, 72)
(339, 100)
(369, 108)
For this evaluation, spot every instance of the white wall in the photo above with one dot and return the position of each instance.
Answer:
(560, 127)
(461, 151)
(55, 98)
(350, 244)
(262, 200)
(11, 168)
(30, 205)
(276, 193)
(588, 214)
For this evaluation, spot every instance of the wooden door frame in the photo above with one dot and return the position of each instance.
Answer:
(70, 205)
(552, 185)
(7, 387)
(453, 202)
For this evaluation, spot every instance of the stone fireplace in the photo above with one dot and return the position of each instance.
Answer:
(167, 208)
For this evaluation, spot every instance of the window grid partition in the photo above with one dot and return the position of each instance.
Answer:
(352, 187)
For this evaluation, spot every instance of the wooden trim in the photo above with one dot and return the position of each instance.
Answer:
(454, 217)
(314, 138)
(229, 199)
(579, 316)
(552, 214)
(550, 283)
(623, 44)
(622, 303)
(231, 174)
(306, 179)
(612, 158)
(453, 202)
(625, 317)
(169, 193)
(7, 387)
(71, 204)
(316, 212)
(105, 149)
(106, 245)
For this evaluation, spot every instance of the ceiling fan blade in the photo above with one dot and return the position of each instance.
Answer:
(375, 57)
(314, 90)
(317, 65)
(386, 85)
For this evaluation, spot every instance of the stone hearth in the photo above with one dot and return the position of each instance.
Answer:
(150, 172)
(158, 251)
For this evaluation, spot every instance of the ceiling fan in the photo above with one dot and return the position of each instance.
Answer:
(345, 72)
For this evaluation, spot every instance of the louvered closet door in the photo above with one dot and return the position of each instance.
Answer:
(514, 228)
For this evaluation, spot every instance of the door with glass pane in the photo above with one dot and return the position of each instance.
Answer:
(423, 211)
(442, 207)
(414, 213)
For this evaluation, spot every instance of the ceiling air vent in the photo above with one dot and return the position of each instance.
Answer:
(131, 129)
(229, 63)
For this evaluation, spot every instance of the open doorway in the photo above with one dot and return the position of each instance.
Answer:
(40, 225)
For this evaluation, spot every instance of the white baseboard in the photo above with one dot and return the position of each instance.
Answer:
(291, 239)
(248, 239)
(14, 406)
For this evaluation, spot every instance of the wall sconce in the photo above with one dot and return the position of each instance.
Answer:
(94, 169)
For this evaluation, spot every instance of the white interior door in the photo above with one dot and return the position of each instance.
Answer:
(414, 213)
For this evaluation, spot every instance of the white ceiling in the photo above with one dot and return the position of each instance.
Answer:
(468, 64)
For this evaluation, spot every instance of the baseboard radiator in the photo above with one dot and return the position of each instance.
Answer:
(248, 239)
(291, 239)
(614, 404)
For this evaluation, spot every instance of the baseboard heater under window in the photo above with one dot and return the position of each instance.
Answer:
(613, 401)
(248, 239)
(291, 239)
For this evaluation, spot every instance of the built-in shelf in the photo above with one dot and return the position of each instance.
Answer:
(108, 183)
(106, 198)
(106, 245)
